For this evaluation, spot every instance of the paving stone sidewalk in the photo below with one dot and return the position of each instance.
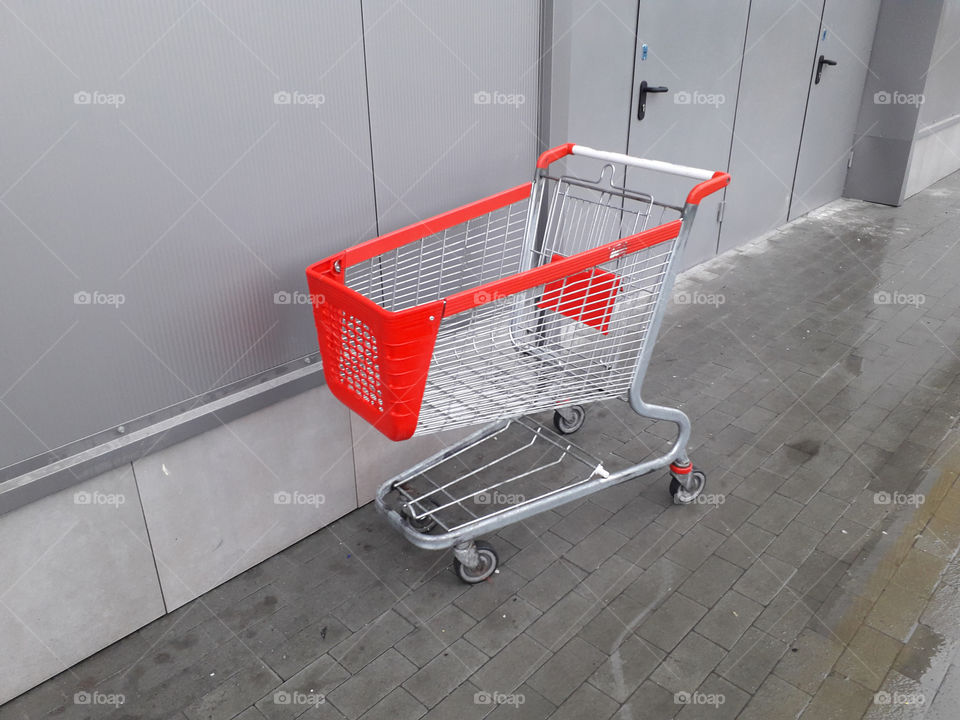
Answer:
(823, 380)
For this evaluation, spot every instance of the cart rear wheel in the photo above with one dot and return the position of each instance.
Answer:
(682, 496)
(488, 564)
(568, 427)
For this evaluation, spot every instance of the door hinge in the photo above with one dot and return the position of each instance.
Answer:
(720, 207)
(850, 160)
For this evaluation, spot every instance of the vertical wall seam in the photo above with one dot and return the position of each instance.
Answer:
(806, 109)
(366, 87)
(736, 112)
(146, 527)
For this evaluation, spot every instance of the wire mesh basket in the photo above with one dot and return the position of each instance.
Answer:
(501, 308)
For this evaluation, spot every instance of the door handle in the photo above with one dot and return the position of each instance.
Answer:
(644, 89)
(820, 63)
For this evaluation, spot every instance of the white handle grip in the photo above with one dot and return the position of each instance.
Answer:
(657, 165)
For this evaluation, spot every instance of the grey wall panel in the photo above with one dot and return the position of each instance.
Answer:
(431, 65)
(592, 74)
(889, 128)
(221, 502)
(76, 574)
(198, 199)
(781, 41)
(941, 96)
(829, 129)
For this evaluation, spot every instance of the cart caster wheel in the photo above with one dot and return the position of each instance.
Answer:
(568, 427)
(682, 496)
(488, 564)
(425, 524)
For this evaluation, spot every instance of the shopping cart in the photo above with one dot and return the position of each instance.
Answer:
(543, 297)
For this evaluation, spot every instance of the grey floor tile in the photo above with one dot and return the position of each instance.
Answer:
(688, 665)
(502, 625)
(650, 700)
(234, 695)
(630, 663)
(775, 513)
(710, 581)
(776, 700)
(809, 660)
(398, 705)
(751, 660)
(695, 547)
(564, 620)
(552, 584)
(745, 545)
(667, 625)
(764, 579)
(365, 689)
(586, 702)
(444, 673)
(511, 666)
(361, 647)
(308, 687)
(481, 599)
(728, 619)
(563, 673)
(599, 545)
(433, 635)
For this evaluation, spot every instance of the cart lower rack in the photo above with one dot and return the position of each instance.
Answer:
(544, 297)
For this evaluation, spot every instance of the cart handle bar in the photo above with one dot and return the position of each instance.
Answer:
(711, 181)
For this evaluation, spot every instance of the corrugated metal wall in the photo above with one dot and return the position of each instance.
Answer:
(168, 169)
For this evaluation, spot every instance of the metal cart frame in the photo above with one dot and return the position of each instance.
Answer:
(416, 514)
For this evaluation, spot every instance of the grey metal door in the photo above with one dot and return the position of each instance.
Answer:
(781, 44)
(694, 49)
(846, 39)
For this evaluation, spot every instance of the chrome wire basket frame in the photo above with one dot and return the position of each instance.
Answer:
(550, 347)
(517, 354)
